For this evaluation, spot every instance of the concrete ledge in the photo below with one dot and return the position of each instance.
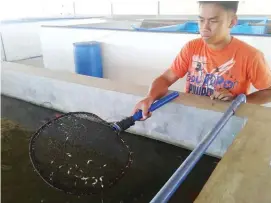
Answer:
(176, 123)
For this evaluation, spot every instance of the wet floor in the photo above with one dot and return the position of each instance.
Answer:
(154, 162)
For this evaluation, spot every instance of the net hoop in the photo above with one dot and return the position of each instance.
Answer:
(53, 120)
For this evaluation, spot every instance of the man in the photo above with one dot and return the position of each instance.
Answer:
(217, 65)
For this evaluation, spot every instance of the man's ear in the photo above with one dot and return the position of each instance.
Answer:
(233, 22)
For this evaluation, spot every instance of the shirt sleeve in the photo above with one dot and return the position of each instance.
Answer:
(260, 73)
(181, 63)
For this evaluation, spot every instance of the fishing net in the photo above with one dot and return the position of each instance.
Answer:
(79, 153)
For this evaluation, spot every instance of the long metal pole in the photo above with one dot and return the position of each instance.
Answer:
(180, 174)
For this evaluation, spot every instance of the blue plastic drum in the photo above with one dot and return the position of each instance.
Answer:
(88, 59)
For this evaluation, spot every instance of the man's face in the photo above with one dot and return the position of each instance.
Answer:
(215, 22)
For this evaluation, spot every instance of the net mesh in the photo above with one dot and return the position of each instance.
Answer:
(79, 153)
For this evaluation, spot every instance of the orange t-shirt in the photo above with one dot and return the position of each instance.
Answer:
(234, 67)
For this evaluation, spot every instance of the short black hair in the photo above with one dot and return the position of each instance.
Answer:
(227, 5)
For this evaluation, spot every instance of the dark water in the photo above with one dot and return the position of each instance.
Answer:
(154, 162)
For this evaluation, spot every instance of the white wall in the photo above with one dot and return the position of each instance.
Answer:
(22, 40)
(114, 24)
(127, 56)
(188, 7)
(59, 8)
(88, 7)
(34, 8)
(135, 7)
(136, 57)
(185, 7)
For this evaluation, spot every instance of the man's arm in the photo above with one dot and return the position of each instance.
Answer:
(178, 69)
(260, 77)
(158, 89)
(160, 85)
(259, 74)
(260, 97)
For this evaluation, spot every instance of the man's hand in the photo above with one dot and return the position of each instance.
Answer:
(159, 88)
(223, 95)
(144, 105)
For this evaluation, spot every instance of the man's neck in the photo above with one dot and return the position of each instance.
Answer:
(221, 44)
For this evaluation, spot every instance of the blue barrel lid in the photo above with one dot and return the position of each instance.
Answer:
(86, 43)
